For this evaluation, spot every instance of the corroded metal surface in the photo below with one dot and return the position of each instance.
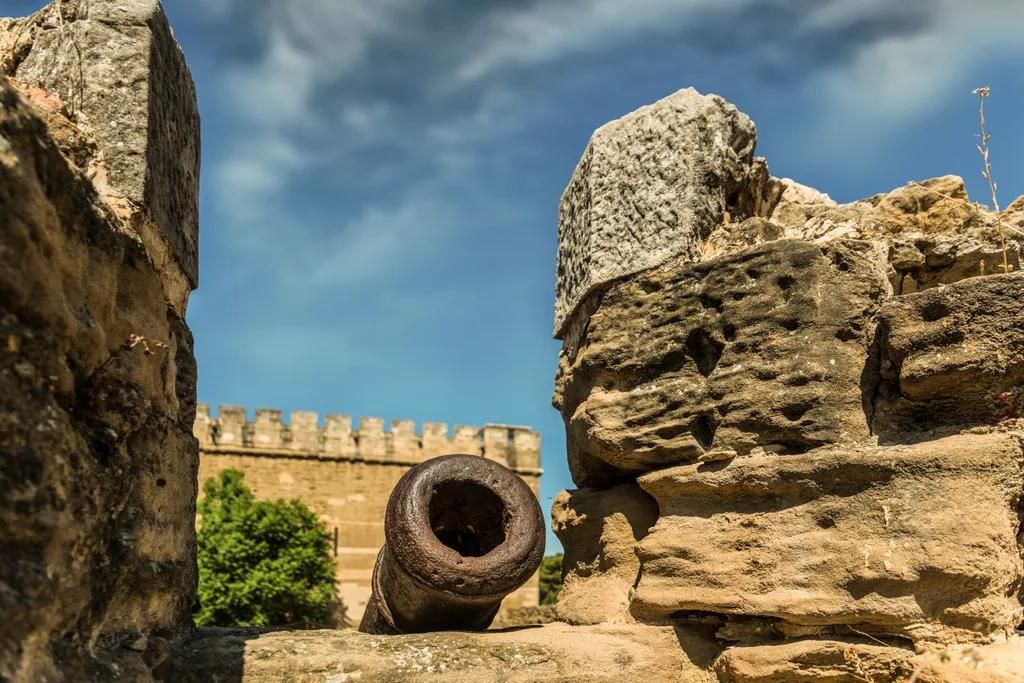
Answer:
(461, 533)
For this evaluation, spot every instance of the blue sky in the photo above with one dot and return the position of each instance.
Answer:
(381, 179)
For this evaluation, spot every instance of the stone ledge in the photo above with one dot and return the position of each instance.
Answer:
(550, 652)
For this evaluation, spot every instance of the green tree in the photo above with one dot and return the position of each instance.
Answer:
(550, 579)
(261, 562)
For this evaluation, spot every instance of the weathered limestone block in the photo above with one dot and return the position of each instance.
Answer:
(948, 356)
(933, 233)
(97, 381)
(846, 661)
(999, 662)
(553, 652)
(759, 349)
(118, 69)
(649, 187)
(918, 541)
(835, 661)
(599, 530)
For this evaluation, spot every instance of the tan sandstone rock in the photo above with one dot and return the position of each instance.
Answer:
(864, 661)
(919, 541)
(763, 348)
(119, 71)
(998, 662)
(97, 375)
(934, 234)
(835, 661)
(949, 356)
(649, 187)
(599, 530)
(553, 652)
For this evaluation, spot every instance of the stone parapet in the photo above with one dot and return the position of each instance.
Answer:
(303, 435)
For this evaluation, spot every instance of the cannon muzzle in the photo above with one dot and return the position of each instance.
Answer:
(461, 532)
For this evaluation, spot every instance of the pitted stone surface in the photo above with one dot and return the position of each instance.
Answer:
(743, 382)
(649, 187)
(918, 541)
(949, 356)
(759, 349)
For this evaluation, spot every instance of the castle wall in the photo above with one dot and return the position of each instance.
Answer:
(346, 475)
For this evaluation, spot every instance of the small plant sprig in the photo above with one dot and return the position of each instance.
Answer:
(136, 339)
(984, 137)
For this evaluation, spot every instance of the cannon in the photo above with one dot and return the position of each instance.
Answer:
(460, 533)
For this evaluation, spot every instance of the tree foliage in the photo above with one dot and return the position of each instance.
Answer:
(550, 579)
(261, 562)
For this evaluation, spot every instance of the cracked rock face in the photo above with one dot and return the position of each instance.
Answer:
(763, 348)
(97, 375)
(815, 660)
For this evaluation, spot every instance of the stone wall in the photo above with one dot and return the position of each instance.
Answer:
(99, 163)
(346, 475)
(795, 425)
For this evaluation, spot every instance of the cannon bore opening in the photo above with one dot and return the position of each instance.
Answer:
(467, 517)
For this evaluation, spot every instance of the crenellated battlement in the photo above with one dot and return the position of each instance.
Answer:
(304, 436)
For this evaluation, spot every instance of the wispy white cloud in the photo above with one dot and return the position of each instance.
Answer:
(302, 48)
(304, 96)
(548, 31)
(896, 79)
(402, 237)
(260, 166)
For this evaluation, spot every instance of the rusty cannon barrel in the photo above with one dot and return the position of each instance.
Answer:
(461, 532)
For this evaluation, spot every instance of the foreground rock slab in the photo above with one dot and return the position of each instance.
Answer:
(918, 541)
(553, 652)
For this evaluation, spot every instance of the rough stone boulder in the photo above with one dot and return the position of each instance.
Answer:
(600, 531)
(949, 356)
(650, 187)
(553, 652)
(917, 541)
(763, 348)
(97, 376)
